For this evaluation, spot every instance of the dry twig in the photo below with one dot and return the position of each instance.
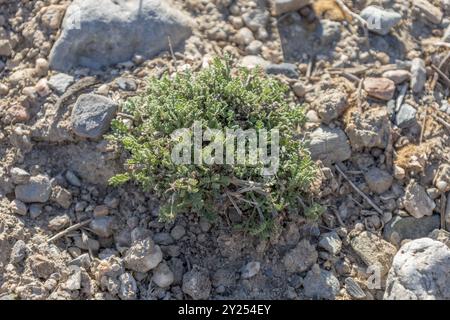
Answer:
(68, 230)
(362, 194)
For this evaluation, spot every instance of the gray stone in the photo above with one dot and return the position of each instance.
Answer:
(60, 82)
(72, 179)
(256, 19)
(74, 280)
(418, 75)
(354, 289)
(420, 271)
(163, 238)
(287, 69)
(329, 144)
(252, 61)
(62, 196)
(178, 232)
(331, 104)
(163, 277)
(378, 180)
(331, 242)
(417, 202)
(102, 226)
(373, 250)
(401, 228)
(18, 252)
(128, 287)
(143, 256)
(440, 235)
(37, 189)
(126, 84)
(320, 284)
(18, 207)
(250, 270)
(301, 258)
(35, 210)
(99, 33)
(92, 115)
(59, 222)
(379, 20)
(19, 176)
(83, 260)
(406, 116)
(196, 283)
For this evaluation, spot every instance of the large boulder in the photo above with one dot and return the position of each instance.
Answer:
(420, 271)
(99, 33)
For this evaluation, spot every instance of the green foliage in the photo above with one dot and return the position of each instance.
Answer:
(219, 98)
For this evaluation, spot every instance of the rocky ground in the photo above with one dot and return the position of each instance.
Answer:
(375, 84)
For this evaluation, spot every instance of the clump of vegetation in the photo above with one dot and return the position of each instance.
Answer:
(217, 97)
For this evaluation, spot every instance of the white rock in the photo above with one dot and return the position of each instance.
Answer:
(420, 271)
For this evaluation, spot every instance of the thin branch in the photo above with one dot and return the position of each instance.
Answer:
(68, 230)
(355, 16)
(362, 194)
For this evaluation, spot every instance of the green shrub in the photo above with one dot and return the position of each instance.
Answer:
(219, 98)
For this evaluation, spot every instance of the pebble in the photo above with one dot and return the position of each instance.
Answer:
(287, 69)
(60, 82)
(35, 210)
(42, 88)
(163, 238)
(4, 89)
(329, 145)
(42, 67)
(244, 37)
(128, 287)
(196, 284)
(252, 61)
(380, 88)
(92, 115)
(178, 232)
(398, 76)
(418, 75)
(417, 202)
(62, 196)
(254, 47)
(331, 242)
(379, 181)
(250, 270)
(18, 252)
(19, 176)
(373, 250)
(58, 223)
(143, 256)
(126, 84)
(37, 189)
(401, 228)
(101, 211)
(5, 48)
(72, 179)
(354, 289)
(380, 21)
(102, 226)
(320, 284)
(301, 258)
(83, 260)
(406, 116)
(163, 277)
(299, 89)
(331, 104)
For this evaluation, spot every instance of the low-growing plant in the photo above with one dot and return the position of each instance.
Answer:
(217, 97)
